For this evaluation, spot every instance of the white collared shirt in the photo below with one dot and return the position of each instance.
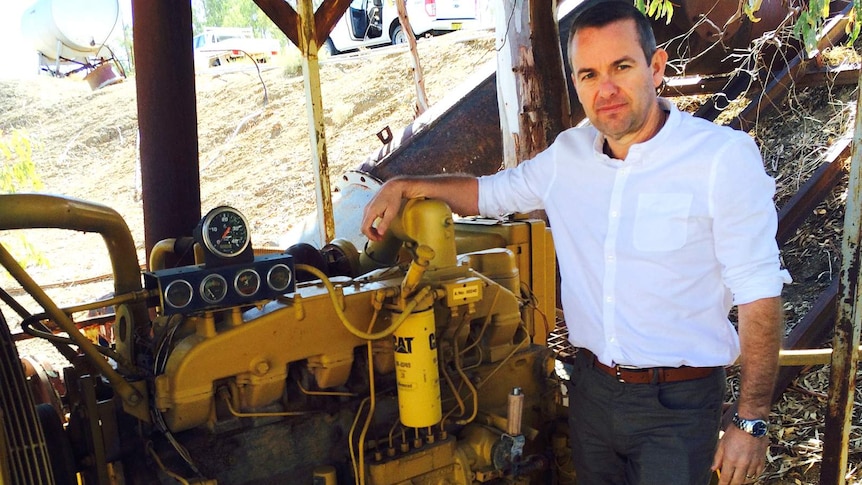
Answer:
(653, 250)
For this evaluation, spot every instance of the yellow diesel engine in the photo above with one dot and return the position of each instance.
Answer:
(421, 359)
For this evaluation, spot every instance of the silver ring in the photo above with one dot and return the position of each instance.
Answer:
(750, 476)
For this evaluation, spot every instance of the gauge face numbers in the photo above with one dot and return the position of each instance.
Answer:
(279, 277)
(225, 232)
(178, 293)
(213, 288)
(246, 282)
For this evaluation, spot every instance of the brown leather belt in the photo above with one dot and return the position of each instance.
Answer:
(651, 375)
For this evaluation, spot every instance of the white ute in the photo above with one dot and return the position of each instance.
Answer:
(369, 23)
(219, 46)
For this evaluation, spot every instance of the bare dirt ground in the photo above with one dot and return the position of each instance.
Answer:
(255, 156)
(254, 149)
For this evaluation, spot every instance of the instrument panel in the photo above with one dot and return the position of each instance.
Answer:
(191, 289)
(230, 276)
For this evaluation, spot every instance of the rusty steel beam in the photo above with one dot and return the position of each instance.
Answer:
(287, 19)
(813, 191)
(841, 75)
(810, 332)
(778, 87)
(316, 128)
(842, 375)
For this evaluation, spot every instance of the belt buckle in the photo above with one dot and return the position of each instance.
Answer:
(619, 368)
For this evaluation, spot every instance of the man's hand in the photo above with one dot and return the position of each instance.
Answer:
(740, 457)
(382, 209)
(460, 192)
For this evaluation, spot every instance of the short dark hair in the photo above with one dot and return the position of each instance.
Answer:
(598, 13)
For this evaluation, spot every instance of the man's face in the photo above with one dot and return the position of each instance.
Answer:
(614, 81)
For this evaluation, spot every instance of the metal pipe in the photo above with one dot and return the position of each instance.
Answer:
(37, 211)
(167, 117)
(129, 394)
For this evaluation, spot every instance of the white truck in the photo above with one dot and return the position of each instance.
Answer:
(220, 46)
(369, 23)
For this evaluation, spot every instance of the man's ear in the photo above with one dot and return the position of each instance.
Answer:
(658, 64)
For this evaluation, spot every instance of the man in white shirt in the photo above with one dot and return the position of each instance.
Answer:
(662, 222)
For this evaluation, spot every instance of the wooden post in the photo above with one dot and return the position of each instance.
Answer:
(316, 131)
(531, 85)
(418, 75)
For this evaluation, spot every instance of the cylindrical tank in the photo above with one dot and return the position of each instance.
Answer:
(80, 26)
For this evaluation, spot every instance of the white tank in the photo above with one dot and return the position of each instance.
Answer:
(80, 26)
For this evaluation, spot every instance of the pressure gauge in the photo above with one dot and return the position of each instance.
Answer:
(213, 288)
(279, 277)
(178, 293)
(246, 282)
(224, 232)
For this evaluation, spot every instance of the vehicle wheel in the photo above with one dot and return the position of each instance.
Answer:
(398, 36)
(329, 48)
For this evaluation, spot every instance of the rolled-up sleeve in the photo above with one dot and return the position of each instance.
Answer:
(745, 222)
(518, 189)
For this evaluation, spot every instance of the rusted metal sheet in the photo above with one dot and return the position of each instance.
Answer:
(462, 136)
(842, 376)
(167, 118)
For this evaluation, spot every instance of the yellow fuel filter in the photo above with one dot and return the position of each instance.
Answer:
(417, 375)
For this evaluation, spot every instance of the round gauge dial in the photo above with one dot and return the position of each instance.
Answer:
(225, 232)
(246, 282)
(279, 277)
(178, 293)
(213, 288)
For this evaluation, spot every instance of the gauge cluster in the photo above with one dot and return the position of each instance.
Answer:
(191, 289)
(230, 276)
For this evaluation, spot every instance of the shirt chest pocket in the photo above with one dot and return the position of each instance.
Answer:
(661, 221)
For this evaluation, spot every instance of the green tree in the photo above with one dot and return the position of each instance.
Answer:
(18, 172)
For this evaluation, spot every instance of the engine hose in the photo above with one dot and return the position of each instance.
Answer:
(408, 309)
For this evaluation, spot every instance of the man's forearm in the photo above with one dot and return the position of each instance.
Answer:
(460, 192)
(760, 332)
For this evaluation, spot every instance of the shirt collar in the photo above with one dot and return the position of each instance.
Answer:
(655, 142)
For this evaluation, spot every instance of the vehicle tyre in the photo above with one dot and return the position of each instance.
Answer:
(398, 36)
(329, 48)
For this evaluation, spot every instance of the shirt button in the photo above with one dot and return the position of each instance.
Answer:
(612, 339)
(609, 299)
(614, 214)
(610, 257)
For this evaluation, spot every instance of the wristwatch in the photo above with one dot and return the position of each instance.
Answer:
(754, 427)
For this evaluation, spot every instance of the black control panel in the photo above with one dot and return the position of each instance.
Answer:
(192, 289)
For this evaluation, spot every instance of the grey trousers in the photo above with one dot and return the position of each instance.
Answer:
(644, 434)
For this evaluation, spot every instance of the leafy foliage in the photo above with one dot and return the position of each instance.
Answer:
(17, 170)
(811, 19)
(656, 8)
(233, 13)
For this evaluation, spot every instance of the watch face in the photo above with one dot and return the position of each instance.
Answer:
(758, 429)
(754, 427)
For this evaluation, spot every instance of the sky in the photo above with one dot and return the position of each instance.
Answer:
(20, 58)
